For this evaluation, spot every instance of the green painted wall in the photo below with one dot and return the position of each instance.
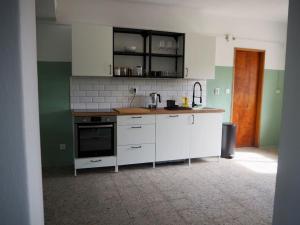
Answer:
(55, 115)
(271, 108)
(271, 103)
(223, 80)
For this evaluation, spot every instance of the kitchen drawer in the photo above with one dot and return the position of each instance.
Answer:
(133, 154)
(95, 162)
(136, 119)
(136, 134)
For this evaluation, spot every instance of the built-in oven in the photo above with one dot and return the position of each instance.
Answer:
(95, 136)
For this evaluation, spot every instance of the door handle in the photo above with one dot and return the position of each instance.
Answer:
(95, 126)
(136, 117)
(96, 160)
(110, 69)
(136, 147)
(173, 116)
(186, 72)
(193, 119)
(137, 127)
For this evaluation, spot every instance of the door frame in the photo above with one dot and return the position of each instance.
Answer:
(262, 54)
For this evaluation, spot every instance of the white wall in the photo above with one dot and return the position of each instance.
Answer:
(287, 197)
(274, 58)
(54, 42)
(31, 110)
(21, 199)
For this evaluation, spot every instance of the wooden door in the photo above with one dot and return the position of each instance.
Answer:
(247, 96)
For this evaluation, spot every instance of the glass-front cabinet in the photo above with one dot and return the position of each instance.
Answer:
(148, 53)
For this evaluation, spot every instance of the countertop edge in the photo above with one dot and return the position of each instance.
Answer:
(151, 112)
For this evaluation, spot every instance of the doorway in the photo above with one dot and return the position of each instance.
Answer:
(247, 95)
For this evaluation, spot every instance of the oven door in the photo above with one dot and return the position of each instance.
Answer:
(95, 140)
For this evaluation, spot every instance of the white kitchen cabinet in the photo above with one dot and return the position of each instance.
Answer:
(206, 135)
(135, 139)
(172, 137)
(136, 119)
(200, 54)
(92, 50)
(133, 154)
(136, 134)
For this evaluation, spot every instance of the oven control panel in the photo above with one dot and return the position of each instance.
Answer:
(95, 119)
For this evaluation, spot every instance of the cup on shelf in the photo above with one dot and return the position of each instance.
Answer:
(123, 71)
(117, 71)
(139, 70)
(162, 45)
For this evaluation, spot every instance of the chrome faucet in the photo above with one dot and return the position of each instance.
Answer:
(200, 97)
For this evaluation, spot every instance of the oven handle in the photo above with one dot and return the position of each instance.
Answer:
(96, 126)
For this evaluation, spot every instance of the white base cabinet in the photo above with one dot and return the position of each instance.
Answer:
(206, 135)
(135, 139)
(167, 137)
(172, 137)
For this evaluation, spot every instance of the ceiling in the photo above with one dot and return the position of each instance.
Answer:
(270, 10)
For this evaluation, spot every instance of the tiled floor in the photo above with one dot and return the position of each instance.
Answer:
(228, 192)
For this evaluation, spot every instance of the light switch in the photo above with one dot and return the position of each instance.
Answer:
(227, 91)
(278, 91)
(217, 91)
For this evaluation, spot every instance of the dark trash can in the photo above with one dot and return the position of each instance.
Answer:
(228, 140)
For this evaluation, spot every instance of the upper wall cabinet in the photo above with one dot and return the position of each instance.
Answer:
(200, 54)
(148, 53)
(92, 50)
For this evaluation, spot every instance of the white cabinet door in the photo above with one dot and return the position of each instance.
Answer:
(200, 54)
(206, 135)
(172, 137)
(92, 49)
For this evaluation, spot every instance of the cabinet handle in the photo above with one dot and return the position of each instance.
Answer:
(186, 72)
(136, 117)
(193, 119)
(97, 160)
(137, 127)
(172, 116)
(136, 147)
(110, 69)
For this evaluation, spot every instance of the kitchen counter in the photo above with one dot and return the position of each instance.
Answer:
(134, 111)
(140, 111)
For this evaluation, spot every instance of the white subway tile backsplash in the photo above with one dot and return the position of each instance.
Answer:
(117, 93)
(104, 105)
(92, 93)
(110, 99)
(98, 99)
(92, 105)
(85, 99)
(102, 92)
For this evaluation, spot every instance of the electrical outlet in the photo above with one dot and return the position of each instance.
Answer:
(62, 147)
(132, 91)
(278, 91)
(217, 91)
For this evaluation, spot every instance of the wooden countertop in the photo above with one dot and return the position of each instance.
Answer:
(141, 111)
(135, 111)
